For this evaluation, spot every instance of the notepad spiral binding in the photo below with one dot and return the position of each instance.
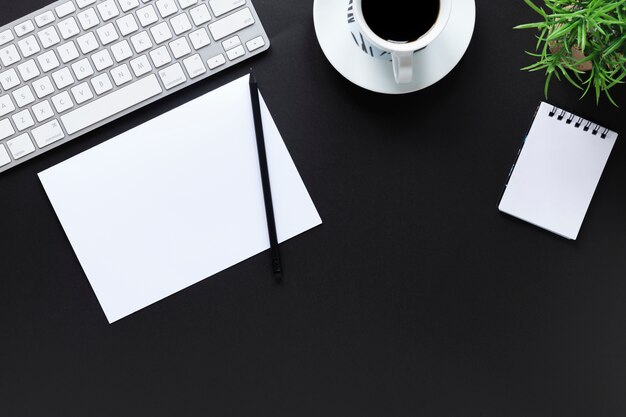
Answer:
(586, 124)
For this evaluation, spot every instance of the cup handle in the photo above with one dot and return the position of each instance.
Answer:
(402, 66)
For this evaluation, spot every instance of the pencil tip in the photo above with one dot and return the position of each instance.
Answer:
(278, 268)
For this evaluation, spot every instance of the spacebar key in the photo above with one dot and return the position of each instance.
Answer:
(111, 104)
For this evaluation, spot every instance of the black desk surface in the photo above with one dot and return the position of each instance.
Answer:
(416, 297)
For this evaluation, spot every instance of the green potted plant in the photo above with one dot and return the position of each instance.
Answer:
(582, 41)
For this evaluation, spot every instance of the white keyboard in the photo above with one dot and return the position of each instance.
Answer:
(75, 65)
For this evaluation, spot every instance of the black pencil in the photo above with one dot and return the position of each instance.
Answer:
(265, 178)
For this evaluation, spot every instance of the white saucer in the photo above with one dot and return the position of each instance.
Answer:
(430, 64)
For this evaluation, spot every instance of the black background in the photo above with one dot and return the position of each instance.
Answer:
(416, 297)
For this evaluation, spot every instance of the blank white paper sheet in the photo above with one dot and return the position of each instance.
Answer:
(558, 169)
(176, 200)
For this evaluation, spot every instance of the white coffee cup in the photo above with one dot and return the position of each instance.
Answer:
(400, 53)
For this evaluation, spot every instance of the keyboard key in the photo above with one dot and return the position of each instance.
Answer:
(44, 18)
(65, 9)
(82, 69)
(21, 146)
(194, 66)
(221, 7)
(172, 76)
(28, 70)
(180, 48)
(216, 61)
(48, 61)
(6, 128)
(121, 51)
(9, 55)
(187, 3)
(62, 78)
(231, 43)
(4, 156)
(87, 43)
(81, 93)
(160, 56)
(84, 3)
(107, 34)
(6, 36)
(69, 28)
(108, 10)
(43, 111)
(49, 133)
(121, 75)
(110, 104)
(127, 5)
(141, 42)
(166, 7)
(68, 52)
(23, 120)
(236, 52)
(199, 38)
(255, 43)
(48, 37)
(88, 18)
(9, 79)
(43, 87)
(231, 24)
(140, 66)
(127, 25)
(62, 102)
(161, 32)
(24, 28)
(23, 96)
(180, 24)
(6, 105)
(102, 59)
(147, 16)
(28, 46)
(101, 84)
(200, 14)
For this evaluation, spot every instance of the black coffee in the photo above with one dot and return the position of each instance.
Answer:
(400, 20)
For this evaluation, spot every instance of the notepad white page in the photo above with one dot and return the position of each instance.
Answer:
(557, 172)
(176, 200)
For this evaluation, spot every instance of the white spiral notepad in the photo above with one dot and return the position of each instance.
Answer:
(557, 170)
